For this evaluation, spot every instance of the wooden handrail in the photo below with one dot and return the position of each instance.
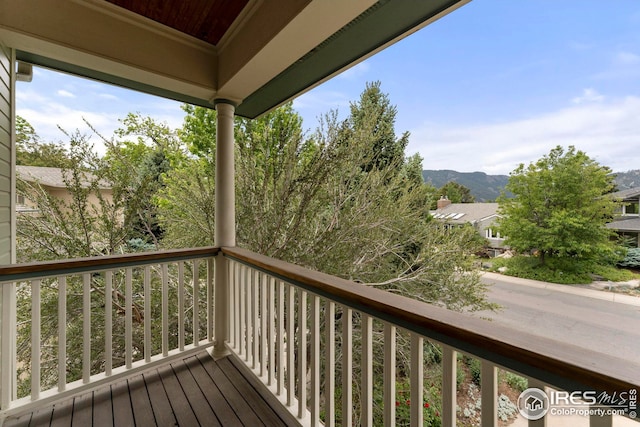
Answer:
(25, 271)
(556, 363)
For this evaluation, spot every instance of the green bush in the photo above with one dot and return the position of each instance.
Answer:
(632, 260)
(561, 270)
(475, 368)
(516, 381)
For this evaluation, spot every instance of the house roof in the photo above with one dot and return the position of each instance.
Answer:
(625, 224)
(629, 193)
(461, 213)
(51, 177)
(254, 53)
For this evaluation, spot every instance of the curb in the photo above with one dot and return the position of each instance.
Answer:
(568, 289)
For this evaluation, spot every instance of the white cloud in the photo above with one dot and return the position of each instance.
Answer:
(606, 131)
(588, 95)
(627, 58)
(65, 94)
(108, 96)
(355, 72)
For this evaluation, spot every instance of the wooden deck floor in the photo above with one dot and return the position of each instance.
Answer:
(196, 391)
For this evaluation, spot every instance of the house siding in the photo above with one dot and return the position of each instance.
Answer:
(7, 216)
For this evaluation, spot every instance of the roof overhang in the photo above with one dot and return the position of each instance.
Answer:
(271, 53)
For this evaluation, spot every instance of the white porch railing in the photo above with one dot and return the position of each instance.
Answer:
(107, 317)
(295, 328)
(331, 350)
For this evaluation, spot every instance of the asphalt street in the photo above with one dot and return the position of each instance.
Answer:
(592, 323)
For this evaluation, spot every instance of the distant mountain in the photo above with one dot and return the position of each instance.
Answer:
(487, 188)
(626, 180)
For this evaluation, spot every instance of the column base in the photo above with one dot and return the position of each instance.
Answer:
(219, 351)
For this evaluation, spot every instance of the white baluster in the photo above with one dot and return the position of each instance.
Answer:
(389, 393)
(181, 305)
(147, 313)
(165, 310)
(489, 394)
(417, 380)
(108, 322)
(35, 339)
(86, 327)
(62, 333)
(302, 353)
(315, 361)
(196, 302)
(366, 400)
(347, 367)
(330, 364)
(449, 366)
(128, 317)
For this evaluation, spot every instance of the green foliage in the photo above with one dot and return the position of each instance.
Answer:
(457, 193)
(475, 369)
(632, 259)
(558, 207)
(562, 271)
(515, 381)
(31, 151)
(142, 164)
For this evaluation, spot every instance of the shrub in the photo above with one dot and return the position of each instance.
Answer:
(632, 260)
(515, 381)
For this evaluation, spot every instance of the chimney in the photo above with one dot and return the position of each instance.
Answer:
(443, 202)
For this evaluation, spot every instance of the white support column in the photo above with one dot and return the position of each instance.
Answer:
(225, 214)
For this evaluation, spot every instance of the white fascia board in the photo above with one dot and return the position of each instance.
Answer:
(314, 24)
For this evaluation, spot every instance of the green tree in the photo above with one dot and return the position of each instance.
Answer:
(456, 192)
(140, 166)
(32, 151)
(559, 207)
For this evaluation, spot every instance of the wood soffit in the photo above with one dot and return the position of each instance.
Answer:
(206, 20)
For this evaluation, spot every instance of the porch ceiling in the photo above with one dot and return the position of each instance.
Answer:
(256, 53)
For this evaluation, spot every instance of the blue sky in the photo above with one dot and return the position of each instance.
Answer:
(492, 85)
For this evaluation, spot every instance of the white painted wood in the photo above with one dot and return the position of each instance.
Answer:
(271, 337)
(280, 348)
(108, 322)
(449, 366)
(210, 295)
(302, 353)
(366, 403)
(237, 312)
(221, 312)
(248, 331)
(146, 284)
(181, 305)
(86, 327)
(128, 317)
(330, 364)
(347, 367)
(290, 345)
(262, 282)
(255, 321)
(165, 309)
(417, 380)
(489, 394)
(7, 344)
(225, 221)
(196, 302)
(62, 333)
(244, 324)
(314, 398)
(35, 339)
(232, 305)
(389, 392)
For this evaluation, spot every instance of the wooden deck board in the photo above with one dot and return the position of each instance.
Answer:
(198, 402)
(102, 408)
(143, 413)
(196, 391)
(159, 401)
(123, 413)
(224, 412)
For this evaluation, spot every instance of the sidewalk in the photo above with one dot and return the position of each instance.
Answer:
(569, 289)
